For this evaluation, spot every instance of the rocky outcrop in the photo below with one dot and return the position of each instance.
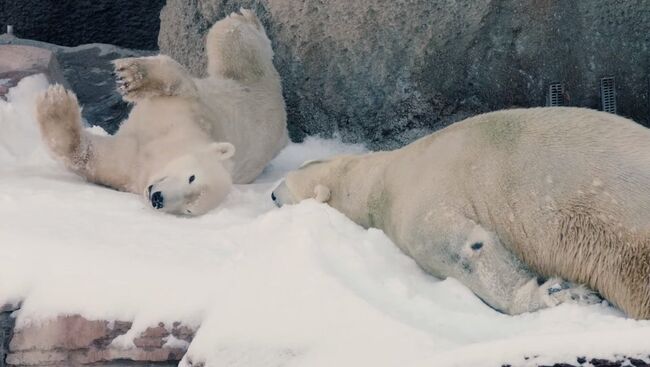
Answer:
(127, 23)
(86, 69)
(620, 361)
(7, 322)
(17, 62)
(386, 71)
(76, 341)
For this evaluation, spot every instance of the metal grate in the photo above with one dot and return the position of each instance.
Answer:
(608, 94)
(555, 96)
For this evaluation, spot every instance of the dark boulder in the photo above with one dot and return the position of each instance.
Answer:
(126, 23)
(88, 71)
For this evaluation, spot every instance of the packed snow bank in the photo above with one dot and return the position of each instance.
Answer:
(19, 144)
(297, 286)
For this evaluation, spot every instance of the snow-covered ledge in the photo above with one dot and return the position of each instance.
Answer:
(76, 341)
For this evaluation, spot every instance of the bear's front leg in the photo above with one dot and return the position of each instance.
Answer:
(155, 76)
(463, 249)
(499, 277)
(556, 291)
(59, 119)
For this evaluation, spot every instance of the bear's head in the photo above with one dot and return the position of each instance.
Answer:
(310, 181)
(193, 184)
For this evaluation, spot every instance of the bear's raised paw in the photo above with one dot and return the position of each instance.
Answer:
(59, 118)
(141, 78)
(130, 78)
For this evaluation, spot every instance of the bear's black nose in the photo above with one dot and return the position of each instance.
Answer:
(272, 196)
(157, 200)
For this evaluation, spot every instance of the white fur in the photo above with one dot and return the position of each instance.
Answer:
(561, 193)
(177, 118)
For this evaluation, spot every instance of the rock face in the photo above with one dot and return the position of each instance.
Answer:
(87, 70)
(127, 23)
(386, 71)
(6, 330)
(76, 341)
(17, 62)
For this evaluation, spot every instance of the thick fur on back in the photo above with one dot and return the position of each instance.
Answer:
(578, 183)
(569, 192)
(613, 259)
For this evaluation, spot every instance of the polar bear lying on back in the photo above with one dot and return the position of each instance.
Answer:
(502, 197)
(177, 146)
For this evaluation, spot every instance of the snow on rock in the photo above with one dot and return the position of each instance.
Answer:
(19, 61)
(78, 341)
(247, 284)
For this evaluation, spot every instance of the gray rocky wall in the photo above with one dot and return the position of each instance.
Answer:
(384, 72)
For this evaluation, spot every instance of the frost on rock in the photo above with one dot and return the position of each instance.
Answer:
(101, 277)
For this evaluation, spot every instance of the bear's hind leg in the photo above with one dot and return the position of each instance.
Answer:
(59, 118)
(237, 48)
(141, 78)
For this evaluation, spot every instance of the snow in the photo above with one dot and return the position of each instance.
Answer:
(297, 286)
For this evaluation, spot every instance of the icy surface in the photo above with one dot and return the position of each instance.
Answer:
(296, 286)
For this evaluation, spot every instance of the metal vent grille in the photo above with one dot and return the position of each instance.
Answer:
(608, 94)
(555, 96)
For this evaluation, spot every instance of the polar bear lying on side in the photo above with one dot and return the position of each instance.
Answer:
(499, 198)
(177, 146)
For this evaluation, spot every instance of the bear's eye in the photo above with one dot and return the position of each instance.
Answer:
(192, 178)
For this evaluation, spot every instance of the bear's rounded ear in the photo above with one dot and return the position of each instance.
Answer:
(322, 193)
(224, 150)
